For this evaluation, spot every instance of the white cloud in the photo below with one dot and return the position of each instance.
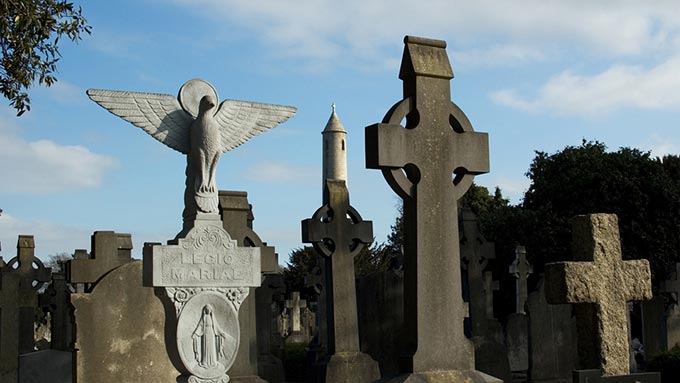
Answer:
(64, 92)
(618, 87)
(334, 32)
(277, 172)
(50, 238)
(44, 166)
(660, 146)
(498, 55)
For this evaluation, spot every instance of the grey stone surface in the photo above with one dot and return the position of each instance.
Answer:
(653, 333)
(552, 337)
(269, 367)
(18, 301)
(108, 251)
(517, 340)
(337, 231)
(237, 219)
(599, 283)
(194, 125)
(594, 376)
(520, 269)
(418, 164)
(56, 299)
(671, 289)
(121, 331)
(381, 318)
(489, 287)
(206, 257)
(46, 366)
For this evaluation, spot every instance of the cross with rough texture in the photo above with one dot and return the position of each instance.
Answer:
(337, 231)
(475, 253)
(599, 283)
(520, 269)
(430, 163)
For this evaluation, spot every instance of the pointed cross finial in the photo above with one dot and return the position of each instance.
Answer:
(333, 106)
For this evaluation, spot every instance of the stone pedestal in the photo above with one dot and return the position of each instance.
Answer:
(207, 278)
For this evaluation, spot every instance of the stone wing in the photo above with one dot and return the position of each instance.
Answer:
(160, 115)
(239, 121)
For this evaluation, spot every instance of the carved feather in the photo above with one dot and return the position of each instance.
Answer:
(239, 121)
(160, 115)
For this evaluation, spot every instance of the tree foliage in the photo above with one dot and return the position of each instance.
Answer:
(29, 43)
(643, 192)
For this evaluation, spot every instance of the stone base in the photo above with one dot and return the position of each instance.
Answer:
(594, 376)
(247, 379)
(270, 368)
(297, 337)
(352, 368)
(454, 376)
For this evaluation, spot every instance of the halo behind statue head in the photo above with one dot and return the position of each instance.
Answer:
(191, 92)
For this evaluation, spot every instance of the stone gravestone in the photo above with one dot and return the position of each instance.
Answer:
(315, 281)
(490, 354)
(254, 355)
(203, 271)
(57, 300)
(338, 233)
(119, 322)
(109, 250)
(599, 284)
(653, 326)
(489, 287)
(430, 164)
(670, 289)
(294, 305)
(552, 339)
(517, 325)
(20, 278)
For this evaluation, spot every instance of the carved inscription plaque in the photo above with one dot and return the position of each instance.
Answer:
(206, 257)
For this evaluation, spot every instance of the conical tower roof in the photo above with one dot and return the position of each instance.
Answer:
(334, 124)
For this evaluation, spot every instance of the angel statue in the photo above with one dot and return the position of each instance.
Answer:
(192, 124)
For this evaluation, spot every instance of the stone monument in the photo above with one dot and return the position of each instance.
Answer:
(338, 233)
(430, 164)
(203, 271)
(598, 283)
(517, 325)
(109, 251)
(20, 278)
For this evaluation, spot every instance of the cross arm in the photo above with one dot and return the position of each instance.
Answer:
(638, 280)
(571, 282)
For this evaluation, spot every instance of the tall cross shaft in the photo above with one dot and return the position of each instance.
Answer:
(439, 153)
(600, 279)
(520, 269)
(338, 232)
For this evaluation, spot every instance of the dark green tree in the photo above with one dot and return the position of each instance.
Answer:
(301, 261)
(644, 193)
(29, 41)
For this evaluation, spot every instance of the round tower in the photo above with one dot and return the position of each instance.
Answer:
(334, 150)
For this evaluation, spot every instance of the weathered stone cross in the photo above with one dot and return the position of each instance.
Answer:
(520, 269)
(109, 250)
(19, 281)
(600, 284)
(430, 164)
(295, 304)
(337, 231)
(489, 286)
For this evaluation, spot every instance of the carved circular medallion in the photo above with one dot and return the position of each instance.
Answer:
(208, 335)
(192, 91)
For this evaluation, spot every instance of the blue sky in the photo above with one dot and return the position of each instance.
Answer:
(535, 75)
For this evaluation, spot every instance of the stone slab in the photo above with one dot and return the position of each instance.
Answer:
(517, 340)
(594, 376)
(450, 376)
(121, 331)
(46, 366)
(207, 257)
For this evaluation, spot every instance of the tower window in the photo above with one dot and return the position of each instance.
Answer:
(343, 144)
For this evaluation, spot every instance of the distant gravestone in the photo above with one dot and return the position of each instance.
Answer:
(46, 366)
(20, 278)
(517, 324)
(653, 327)
(671, 289)
(520, 269)
(430, 164)
(253, 362)
(269, 366)
(552, 338)
(109, 250)
(57, 300)
(599, 284)
(337, 232)
(489, 287)
(295, 306)
(316, 281)
(490, 354)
